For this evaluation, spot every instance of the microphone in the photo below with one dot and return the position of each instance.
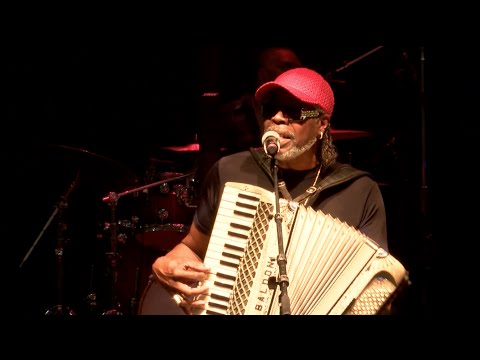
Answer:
(271, 143)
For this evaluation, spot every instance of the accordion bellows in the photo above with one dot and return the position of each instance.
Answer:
(332, 268)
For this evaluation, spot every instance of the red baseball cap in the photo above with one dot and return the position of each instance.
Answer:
(304, 84)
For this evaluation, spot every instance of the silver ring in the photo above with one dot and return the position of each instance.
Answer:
(177, 298)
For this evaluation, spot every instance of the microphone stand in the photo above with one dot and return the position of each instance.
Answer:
(283, 281)
(329, 75)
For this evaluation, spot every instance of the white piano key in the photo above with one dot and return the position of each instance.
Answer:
(215, 259)
(241, 221)
(228, 253)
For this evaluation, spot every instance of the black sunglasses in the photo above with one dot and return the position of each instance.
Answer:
(291, 112)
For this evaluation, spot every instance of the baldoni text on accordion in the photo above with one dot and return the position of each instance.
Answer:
(332, 268)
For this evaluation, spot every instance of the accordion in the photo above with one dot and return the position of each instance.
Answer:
(332, 268)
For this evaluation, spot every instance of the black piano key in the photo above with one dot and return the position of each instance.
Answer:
(244, 214)
(219, 297)
(232, 256)
(225, 276)
(215, 305)
(233, 247)
(241, 236)
(248, 197)
(246, 206)
(223, 285)
(226, 263)
(211, 312)
(240, 226)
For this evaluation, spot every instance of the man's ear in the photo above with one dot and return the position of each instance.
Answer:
(323, 123)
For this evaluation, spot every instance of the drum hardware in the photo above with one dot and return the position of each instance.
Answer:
(91, 298)
(117, 196)
(187, 194)
(125, 230)
(52, 166)
(163, 215)
(112, 256)
(164, 188)
(59, 308)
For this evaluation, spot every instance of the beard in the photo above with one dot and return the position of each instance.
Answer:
(296, 150)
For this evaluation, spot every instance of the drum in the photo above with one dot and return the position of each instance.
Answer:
(134, 267)
(171, 201)
(167, 211)
(156, 301)
(151, 222)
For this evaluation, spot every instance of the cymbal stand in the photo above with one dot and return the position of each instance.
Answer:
(112, 257)
(59, 308)
(91, 298)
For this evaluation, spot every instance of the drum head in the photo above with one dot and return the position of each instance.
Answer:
(157, 301)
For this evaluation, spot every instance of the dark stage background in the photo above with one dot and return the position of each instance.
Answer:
(101, 118)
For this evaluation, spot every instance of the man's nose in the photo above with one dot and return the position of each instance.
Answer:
(279, 118)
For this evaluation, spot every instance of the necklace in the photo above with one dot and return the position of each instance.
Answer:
(312, 188)
(306, 195)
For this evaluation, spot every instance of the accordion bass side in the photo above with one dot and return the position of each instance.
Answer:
(332, 268)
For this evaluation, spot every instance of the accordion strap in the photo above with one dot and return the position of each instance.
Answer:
(335, 175)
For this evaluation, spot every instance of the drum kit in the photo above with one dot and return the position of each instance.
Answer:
(126, 230)
(134, 226)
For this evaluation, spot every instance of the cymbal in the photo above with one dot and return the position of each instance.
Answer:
(348, 134)
(70, 150)
(51, 164)
(195, 147)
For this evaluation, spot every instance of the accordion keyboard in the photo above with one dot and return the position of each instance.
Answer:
(230, 236)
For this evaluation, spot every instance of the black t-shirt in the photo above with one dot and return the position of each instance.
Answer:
(358, 203)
